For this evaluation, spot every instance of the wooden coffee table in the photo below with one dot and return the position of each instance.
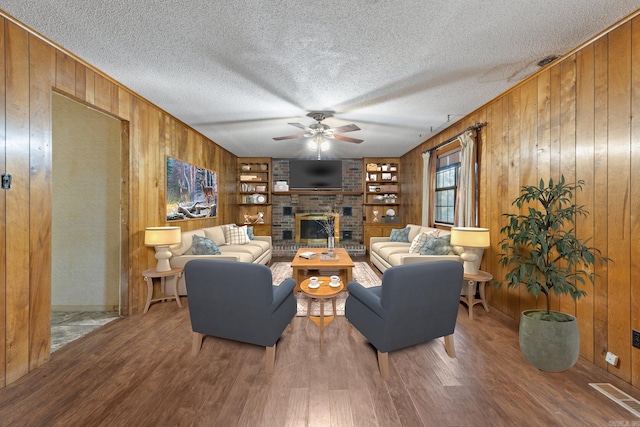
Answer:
(343, 264)
(323, 292)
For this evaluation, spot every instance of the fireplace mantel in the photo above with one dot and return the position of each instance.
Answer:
(315, 218)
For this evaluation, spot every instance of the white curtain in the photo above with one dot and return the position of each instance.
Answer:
(426, 190)
(465, 215)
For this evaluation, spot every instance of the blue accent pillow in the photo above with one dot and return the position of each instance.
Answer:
(204, 246)
(400, 235)
(437, 246)
(250, 233)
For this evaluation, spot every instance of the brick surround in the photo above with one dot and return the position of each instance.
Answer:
(284, 208)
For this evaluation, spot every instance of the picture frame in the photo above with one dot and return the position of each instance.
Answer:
(192, 191)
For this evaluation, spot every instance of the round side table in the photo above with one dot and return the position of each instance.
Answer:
(151, 274)
(480, 279)
(321, 293)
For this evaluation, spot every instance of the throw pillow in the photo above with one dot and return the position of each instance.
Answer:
(235, 235)
(204, 246)
(437, 246)
(250, 233)
(400, 235)
(420, 240)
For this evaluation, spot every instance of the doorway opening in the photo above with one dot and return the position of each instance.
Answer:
(87, 208)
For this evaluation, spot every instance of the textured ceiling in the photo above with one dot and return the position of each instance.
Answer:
(239, 71)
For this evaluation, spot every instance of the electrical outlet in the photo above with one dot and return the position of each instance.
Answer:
(611, 359)
(635, 341)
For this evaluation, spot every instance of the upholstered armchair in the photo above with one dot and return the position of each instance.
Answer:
(237, 301)
(415, 304)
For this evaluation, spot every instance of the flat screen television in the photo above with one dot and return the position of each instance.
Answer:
(315, 174)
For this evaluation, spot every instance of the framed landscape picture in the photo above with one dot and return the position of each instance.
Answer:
(192, 192)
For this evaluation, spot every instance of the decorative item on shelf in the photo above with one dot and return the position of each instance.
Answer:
(375, 216)
(390, 217)
(386, 176)
(393, 168)
(474, 240)
(259, 198)
(281, 186)
(390, 198)
(261, 188)
(373, 176)
(254, 219)
(378, 199)
(161, 238)
(385, 168)
(264, 166)
(372, 167)
(246, 167)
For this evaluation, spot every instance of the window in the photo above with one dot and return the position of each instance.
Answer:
(447, 172)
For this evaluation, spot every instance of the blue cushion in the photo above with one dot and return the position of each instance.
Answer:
(437, 246)
(400, 235)
(204, 246)
(250, 233)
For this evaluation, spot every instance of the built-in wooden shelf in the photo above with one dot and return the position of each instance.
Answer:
(317, 192)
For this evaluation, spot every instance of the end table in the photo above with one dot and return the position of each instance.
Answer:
(480, 279)
(151, 274)
(321, 293)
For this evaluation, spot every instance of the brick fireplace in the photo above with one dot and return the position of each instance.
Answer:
(285, 207)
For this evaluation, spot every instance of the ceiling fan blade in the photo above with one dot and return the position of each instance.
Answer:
(343, 129)
(304, 135)
(345, 138)
(298, 125)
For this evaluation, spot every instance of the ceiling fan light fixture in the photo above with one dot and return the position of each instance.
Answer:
(321, 132)
(320, 142)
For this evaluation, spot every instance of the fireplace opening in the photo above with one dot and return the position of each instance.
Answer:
(309, 228)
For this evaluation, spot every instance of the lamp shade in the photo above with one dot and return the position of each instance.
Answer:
(470, 237)
(161, 236)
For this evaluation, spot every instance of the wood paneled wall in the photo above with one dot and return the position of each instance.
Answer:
(577, 118)
(30, 68)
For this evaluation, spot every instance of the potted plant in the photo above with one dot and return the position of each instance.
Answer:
(544, 254)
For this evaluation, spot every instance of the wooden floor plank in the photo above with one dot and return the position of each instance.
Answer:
(139, 371)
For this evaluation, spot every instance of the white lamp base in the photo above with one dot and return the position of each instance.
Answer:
(471, 260)
(163, 254)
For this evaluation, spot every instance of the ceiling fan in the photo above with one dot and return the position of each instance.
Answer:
(321, 130)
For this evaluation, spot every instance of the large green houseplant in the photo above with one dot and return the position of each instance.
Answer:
(545, 255)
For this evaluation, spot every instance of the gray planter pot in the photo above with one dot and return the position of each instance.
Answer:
(547, 345)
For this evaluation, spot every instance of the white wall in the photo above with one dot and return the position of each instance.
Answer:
(86, 208)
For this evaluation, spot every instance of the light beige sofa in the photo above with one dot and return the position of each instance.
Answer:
(257, 251)
(384, 254)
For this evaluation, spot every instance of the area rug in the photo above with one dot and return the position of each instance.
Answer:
(362, 273)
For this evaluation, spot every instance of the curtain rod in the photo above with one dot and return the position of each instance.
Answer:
(475, 127)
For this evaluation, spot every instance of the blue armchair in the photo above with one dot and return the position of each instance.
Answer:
(237, 301)
(415, 304)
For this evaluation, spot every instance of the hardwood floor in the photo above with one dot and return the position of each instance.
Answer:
(139, 371)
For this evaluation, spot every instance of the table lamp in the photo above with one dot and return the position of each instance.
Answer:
(474, 240)
(161, 238)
